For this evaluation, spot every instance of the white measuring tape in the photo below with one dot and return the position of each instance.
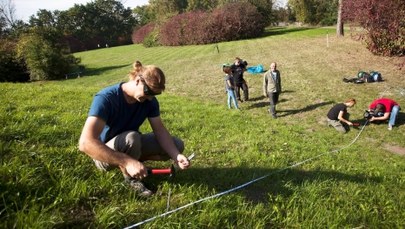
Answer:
(245, 184)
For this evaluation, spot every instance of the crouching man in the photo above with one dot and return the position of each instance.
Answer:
(338, 116)
(111, 136)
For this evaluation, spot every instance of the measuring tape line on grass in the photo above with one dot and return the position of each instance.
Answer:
(247, 183)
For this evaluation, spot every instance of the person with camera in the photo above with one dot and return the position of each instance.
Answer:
(337, 116)
(238, 68)
(383, 109)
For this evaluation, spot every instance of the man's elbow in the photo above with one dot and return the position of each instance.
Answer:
(83, 145)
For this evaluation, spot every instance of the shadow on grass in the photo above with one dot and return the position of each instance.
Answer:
(266, 103)
(400, 119)
(282, 113)
(274, 182)
(257, 98)
(283, 30)
(96, 71)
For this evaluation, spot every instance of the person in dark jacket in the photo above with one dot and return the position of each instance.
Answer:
(238, 68)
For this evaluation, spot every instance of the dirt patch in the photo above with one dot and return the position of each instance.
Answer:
(395, 149)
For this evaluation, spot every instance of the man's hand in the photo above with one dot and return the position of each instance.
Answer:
(182, 161)
(350, 123)
(134, 169)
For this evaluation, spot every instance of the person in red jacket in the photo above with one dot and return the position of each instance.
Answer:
(388, 108)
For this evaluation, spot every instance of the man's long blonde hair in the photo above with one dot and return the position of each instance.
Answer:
(154, 76)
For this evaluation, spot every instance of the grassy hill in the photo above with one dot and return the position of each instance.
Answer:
(45, 182)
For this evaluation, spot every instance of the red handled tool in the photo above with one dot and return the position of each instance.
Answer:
(168, 171)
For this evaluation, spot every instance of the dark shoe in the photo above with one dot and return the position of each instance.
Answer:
(274, 116)
(139, 188)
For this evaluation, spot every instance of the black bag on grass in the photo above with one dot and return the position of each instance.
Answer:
(371, 77)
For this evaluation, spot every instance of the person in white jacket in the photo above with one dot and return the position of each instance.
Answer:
(272, 87)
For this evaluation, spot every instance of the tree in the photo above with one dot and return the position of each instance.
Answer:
(11, 69)
(339, 24)
(100, 22)
(384, 21)
(266, 9)
(202, 5)
(3, 26)
(163, 9)
(7, 12)
(301, 10)
(143, 15)
(45, 58)
(44, 18)
(323, 12)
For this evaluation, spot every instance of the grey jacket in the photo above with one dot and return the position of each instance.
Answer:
(271, 85)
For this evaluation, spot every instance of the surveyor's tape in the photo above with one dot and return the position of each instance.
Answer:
(247, 183)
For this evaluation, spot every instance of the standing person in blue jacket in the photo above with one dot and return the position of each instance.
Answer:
(272, 87)
(238, 68)
(111, 136)
(230, 87)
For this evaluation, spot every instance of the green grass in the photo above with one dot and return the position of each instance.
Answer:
(45, 182)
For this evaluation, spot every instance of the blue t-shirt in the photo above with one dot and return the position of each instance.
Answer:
(110, 105)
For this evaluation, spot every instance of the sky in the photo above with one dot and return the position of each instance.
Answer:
(25, 8)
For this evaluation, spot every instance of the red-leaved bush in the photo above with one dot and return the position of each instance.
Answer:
(184, 29)
(231, 22)
(384, 21)
(140, 34)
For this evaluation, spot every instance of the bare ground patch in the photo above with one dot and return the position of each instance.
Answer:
(394, 149)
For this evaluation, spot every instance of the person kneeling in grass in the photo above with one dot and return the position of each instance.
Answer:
(337, 116)
(111, 136)
(388, 107)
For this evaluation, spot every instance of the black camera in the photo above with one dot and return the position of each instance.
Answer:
(371, 113)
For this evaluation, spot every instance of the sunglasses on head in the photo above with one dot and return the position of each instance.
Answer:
(146, 89)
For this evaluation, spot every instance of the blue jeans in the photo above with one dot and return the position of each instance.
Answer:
(232, 97)
(393, 115)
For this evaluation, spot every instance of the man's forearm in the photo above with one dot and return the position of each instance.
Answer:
(99, 151)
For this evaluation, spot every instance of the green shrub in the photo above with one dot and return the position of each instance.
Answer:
(152, 39)
(11, 69)
(44, 57)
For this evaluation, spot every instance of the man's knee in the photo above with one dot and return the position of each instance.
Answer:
(133, 144)
(133, 138)
(128, 142)
(179, 144)
(341, 129)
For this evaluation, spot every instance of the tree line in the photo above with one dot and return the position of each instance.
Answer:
(42, 48)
